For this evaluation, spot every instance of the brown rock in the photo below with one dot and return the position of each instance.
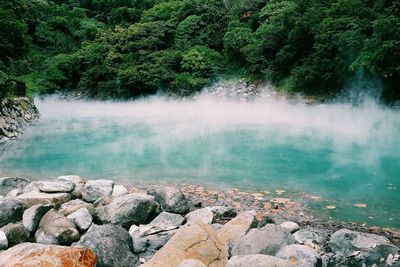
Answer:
(197, 241)
(30, 254)
(232, 231)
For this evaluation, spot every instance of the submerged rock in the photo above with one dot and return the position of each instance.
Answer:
(300, 255)
(112, 245)
(197, 241)
(55, 228)
(267, 240)
(30, 254)
(95, 189)
(33, 215)
(11, 211)
(129, 209)
(170, 198)
(257, 260)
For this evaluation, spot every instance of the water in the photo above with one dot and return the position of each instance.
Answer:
(342, 153)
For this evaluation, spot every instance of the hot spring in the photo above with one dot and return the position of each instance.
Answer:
(343, 153)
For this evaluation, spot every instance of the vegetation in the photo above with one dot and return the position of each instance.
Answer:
(129, 48)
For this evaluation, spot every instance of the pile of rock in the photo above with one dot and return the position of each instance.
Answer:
(72, 222)
(15, 115)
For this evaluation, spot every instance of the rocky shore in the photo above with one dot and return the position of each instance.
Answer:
(15, 115)
(70, 221)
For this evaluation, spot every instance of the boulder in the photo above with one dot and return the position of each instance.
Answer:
(267, 240)
(15, 233)
(308, 236)
(129, 209)
(3, 241)
(292, 227)
(35, 198)
(33, 215)
(81, 218)
(55, 229)
(77, 180)
(95, 189)
(257, 260)
(353, 248)
(119, 190)
(236, 228)
(74, 205)
(31, 254)
(300, 255)
(204, 215)
(170, 198)
(153, 236)
(111, 244)
(57, 186)
(191, 263)
(8, 183)
(197, 241)
(11, 211)
(223, 213)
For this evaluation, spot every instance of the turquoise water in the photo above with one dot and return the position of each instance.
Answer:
(344, 154)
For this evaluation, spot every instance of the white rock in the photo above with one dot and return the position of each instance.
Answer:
(119, 190)
(95, 189)
(33, 215)
(290, 226)
(204, 215)
(56, 186)
(3, 241)
(82, 219)
(77, 180)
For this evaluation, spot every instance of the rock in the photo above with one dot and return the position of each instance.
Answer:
(292, 227)
(8, 183)
(111, 244)
(95, 189)
(33, 215)
(81, 218)
(3, 241)
(171, 199)
(308, 236)
(15, 233)
(11, 211)
(35, 198)
(197, 241)
(236, 228)
(54, 228)
(77, 180)
(31, 187)
(204, 215)
(221, 212)
(56, 186)
(129, 209)
(300, 255)
(153, 236)
(191, 263)
(216, 226)
(31, 254)
(257, 260)
(119, 190)
(267, 240)
(353, 248)
(74, 205)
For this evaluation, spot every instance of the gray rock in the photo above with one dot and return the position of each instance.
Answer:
(119, 190)
(300, 255)
(292, 227)
(55, 229)
(3, 241)
(204, 215)
(267, 240)
(74, 205)
(306, 236)
(81, 218)
(95, 189)
(153, 236)
(77, 180)
(35, 198)
(353, 248)
(8, 183)
(257, 260)
(170, 198)
(33, 215)
(11, 211)
(222, 212)
(16, 233)
(129, 209)
(112, 245)
(59, 186)
(191, 263)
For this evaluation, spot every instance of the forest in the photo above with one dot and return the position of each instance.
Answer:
(123, 49)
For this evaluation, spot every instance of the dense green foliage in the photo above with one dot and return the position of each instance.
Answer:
(129, 48)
